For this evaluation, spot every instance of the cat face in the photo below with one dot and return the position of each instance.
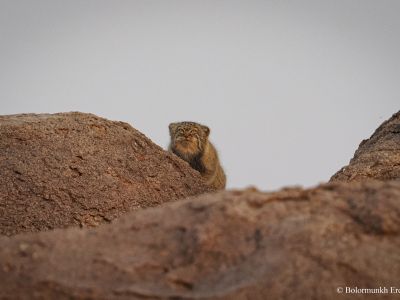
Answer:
(188, 138)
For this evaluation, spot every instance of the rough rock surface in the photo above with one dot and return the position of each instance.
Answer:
(292, 244)
(71, 169)
(378, 157)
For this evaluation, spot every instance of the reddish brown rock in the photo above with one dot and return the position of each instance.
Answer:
(73, 169)
(378, 157)
(293, 244)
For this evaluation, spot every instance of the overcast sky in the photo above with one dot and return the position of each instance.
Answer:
(288, 88)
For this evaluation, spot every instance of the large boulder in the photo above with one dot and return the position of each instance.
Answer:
(76, 169)
(292, 244)
(376, 158)
(319, 243)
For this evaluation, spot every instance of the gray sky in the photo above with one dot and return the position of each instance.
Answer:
(288, 88)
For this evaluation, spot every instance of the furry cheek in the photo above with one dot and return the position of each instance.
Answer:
(189, 148)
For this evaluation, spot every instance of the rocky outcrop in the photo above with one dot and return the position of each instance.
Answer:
(290, 244)
(293, 244)
(75, 169)
(376, 158)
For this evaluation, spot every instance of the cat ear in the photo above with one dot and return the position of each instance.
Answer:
(172, 127)
(206, 130)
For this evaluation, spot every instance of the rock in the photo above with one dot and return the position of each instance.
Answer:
(376, 158)
(76, 169)
(292, 244)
